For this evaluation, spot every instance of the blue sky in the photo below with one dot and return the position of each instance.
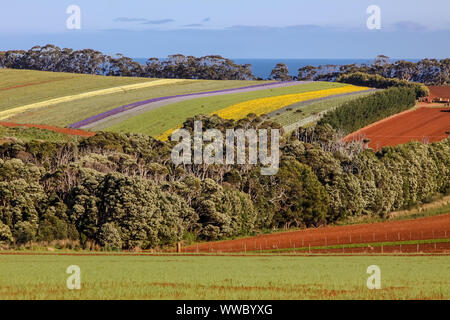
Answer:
(233, 28)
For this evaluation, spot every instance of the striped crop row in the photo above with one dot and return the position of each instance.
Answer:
(267, 105)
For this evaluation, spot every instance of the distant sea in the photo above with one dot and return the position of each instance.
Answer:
(263, 67)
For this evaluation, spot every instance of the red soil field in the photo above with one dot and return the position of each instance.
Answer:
(73, 132)
(423, 125)
(439, 92)
(436, 227)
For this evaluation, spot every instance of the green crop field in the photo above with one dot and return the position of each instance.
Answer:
(224, 277)
(30, 134)
(22, 87)
(307, 110)
(157, 121)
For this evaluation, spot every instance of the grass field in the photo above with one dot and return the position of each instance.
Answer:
(158, 121)
(23, 87)
(224, 277)
(292, 116)
(29, 134)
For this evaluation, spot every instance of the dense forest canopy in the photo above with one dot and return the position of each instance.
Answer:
(121, 191)
(88, 61)
(427, 71)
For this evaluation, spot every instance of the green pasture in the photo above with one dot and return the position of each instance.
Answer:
(14, 94)
(30, 134)
(22, 87)
(223, 277)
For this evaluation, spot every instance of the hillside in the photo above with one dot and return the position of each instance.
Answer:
(21, 88)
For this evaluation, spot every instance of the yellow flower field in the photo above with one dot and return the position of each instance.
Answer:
(267, 105)
(9, 113)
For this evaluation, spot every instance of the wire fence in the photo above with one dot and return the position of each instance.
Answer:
(427, 241)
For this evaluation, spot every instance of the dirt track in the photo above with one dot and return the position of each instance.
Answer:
(423, 124)
(436, 227)
(74, 132)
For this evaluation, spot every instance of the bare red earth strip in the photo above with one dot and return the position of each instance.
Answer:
(74, 132)
(436, 227)
(423, 124)
(439, 92)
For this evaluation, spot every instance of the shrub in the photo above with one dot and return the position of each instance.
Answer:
(5, 234)
(377, 81)
(109, 237)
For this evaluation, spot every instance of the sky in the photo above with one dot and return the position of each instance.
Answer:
(233, 28)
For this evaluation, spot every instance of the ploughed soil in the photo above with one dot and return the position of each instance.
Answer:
(74, 132)
(439, 92)
(436, 227)
(423, 125)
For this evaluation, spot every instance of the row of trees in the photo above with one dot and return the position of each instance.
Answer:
(427, 71)
(377, 81)
(122, 190)
(214, 67)
(88, 61)
(356, 114)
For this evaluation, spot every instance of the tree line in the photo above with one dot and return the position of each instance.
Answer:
(356, 114)
(121, 191)
(88, 61)
(212, 67)
(427, 71)
(377, 81)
